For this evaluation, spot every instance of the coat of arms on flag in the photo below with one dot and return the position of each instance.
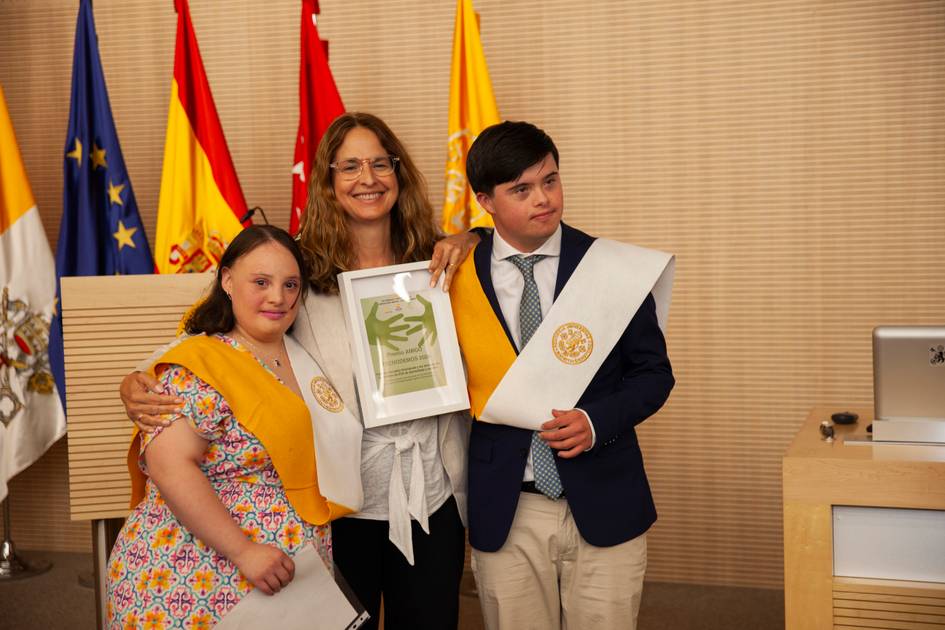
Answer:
(24, 347)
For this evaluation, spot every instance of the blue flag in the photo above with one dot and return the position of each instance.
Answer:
(101, 231)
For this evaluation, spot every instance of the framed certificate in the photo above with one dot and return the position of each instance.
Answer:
(404, 350)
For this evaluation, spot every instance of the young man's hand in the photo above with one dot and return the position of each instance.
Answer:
(568, 432)
(146, 402)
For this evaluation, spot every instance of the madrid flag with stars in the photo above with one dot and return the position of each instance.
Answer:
(31, 417)
(319, 105)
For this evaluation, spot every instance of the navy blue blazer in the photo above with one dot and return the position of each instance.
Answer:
(606, 487)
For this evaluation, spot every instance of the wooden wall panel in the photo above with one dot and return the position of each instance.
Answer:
(790, 152)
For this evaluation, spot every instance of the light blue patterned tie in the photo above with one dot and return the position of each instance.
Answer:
(529, 316)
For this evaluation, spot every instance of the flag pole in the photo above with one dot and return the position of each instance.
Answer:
(11, 566)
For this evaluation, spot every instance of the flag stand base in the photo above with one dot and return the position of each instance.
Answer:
(11, 566)
(14, 568)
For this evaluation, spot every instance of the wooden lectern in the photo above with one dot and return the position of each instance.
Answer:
(819, 476)
(109, 325)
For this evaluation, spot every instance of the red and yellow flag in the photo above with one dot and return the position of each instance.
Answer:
(319, 105)
(201, 201)
(472, 109)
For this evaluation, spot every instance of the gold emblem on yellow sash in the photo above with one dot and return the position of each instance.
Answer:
(572, 343)
(326, 395)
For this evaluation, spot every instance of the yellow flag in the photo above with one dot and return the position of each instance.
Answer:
(472, 109)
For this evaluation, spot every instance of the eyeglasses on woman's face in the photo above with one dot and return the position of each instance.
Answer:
(353, 167)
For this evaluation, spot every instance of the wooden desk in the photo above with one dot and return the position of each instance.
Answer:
(818, 475)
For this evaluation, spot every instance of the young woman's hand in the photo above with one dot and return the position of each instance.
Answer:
(448, 254)
(268, 568)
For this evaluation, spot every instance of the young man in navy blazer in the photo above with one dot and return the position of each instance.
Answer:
(577, 560)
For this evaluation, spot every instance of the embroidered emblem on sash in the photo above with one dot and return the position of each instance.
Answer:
(572, 343)
(326, 395)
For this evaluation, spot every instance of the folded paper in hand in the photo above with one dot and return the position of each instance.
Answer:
(312, 597)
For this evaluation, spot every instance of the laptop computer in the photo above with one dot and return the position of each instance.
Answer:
(909, 384)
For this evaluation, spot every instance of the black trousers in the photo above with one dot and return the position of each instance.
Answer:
(420, 597)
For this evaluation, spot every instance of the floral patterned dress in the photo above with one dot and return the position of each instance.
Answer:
(160, 576)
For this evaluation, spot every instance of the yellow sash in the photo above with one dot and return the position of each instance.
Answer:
(486, 347)
(264, 407)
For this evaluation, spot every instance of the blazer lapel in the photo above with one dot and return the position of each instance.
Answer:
(574, 244)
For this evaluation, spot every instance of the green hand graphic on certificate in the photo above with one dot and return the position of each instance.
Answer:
(403, 339)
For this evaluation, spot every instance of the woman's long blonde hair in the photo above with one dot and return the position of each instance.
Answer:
(324, 237)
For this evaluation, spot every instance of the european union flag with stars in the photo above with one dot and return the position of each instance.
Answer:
(101, 231)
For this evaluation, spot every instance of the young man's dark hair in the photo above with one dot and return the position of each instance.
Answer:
(503, 151)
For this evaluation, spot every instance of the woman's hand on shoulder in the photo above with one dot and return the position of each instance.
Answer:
(145, 401)
(448, 254)
(268, 568)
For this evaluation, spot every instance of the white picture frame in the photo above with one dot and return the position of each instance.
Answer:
(405, 354)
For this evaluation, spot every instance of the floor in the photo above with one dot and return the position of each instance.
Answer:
(57, 601)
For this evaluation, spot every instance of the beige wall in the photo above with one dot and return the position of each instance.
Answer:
(790, 152)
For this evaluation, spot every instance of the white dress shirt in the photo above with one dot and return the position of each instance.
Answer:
(509, 283)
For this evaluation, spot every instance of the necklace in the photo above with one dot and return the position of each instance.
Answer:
(252, 346)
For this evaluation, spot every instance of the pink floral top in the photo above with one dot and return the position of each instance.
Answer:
(160, 575)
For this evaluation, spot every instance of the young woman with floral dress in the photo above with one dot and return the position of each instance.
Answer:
(214, 519)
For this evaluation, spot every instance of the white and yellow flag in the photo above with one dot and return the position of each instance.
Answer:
(31, 416)
(472, 109)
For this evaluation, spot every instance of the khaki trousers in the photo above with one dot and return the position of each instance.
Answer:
(546, 577)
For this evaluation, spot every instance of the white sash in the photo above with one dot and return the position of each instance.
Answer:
(579, 331)
(337, 432)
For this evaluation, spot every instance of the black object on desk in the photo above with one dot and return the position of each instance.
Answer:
(844, 417)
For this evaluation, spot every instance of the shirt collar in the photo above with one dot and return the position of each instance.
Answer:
(502, 250)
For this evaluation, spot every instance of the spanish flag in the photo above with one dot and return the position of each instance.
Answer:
(472, 109)
(31, 416)
(201, 202)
